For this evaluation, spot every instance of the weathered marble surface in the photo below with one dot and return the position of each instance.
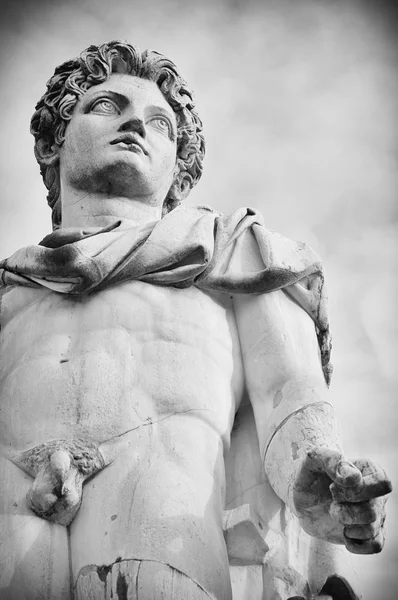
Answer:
(118, 404)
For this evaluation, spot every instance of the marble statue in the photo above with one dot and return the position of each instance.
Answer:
(166, 430)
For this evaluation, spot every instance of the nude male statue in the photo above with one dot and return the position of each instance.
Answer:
(130, 337)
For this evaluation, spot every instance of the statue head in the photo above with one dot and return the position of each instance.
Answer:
(70, 82)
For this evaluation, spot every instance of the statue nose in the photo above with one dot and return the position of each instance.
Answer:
(135, 124)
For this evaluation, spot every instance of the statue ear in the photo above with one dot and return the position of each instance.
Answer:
(46, 153)
(180, 187)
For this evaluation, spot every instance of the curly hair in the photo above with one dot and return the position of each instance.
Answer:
(94, 66)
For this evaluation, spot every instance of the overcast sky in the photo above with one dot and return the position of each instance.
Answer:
(299, 104)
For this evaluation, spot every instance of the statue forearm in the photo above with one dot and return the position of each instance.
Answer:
(335, 499)
(286, 385)
(303, 419)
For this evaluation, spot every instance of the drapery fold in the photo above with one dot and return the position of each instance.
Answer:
(191, 246)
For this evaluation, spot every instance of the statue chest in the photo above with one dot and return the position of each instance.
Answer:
(102, 363)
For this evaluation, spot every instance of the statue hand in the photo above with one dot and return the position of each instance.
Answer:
(56, 492)
(340, 501)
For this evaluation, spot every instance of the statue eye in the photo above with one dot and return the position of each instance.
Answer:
(162, 124)
(105, 107)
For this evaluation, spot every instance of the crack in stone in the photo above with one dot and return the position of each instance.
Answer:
(122, 583)
(248, 489)
(136, 580)
(14, 533)
(150, 422)
(121, 586)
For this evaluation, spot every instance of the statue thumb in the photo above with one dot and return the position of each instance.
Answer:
(340, 470)
(347, 474)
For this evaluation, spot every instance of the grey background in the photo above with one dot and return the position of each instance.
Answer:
(299, 104)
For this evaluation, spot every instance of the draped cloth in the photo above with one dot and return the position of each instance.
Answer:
(191, 246)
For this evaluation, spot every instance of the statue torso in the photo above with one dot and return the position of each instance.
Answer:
(104, 363)
(161, 363)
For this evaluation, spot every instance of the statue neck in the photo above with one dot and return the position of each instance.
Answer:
(81, 209)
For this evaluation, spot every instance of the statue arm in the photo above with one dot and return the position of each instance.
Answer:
(285, 382)
(334, 499)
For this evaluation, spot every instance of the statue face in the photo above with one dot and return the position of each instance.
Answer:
(121, 140)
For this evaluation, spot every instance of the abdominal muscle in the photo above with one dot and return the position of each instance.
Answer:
(152, 373)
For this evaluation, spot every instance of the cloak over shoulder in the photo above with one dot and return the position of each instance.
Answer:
(191, 246)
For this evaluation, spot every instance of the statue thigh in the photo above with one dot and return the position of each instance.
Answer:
(104, 560)
(136, 580)
(34, 554)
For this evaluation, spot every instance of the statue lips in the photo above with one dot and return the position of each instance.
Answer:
(131, 141)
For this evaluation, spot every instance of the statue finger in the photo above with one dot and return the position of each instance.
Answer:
(369, 490)
(372, 546)
(362, 532)
(360, 513)
(335, 465)
(374, 483)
